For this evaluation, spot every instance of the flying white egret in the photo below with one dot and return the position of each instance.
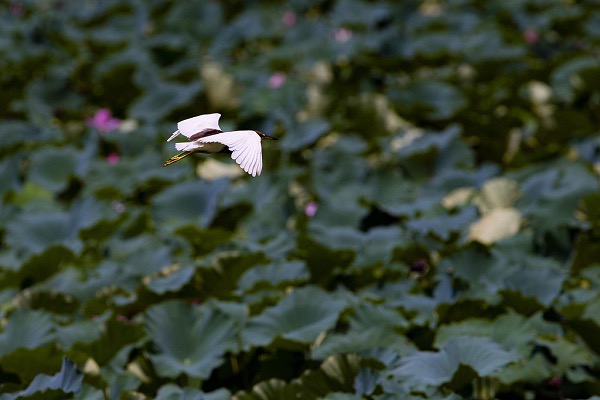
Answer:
(206, 136)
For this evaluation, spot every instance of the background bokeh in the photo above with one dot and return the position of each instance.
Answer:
(426, 227)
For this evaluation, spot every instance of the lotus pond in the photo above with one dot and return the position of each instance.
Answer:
(427, 226)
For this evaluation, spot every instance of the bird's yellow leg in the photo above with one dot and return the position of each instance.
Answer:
(177, 157)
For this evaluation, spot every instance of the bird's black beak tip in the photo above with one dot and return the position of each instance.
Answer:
(263, 136)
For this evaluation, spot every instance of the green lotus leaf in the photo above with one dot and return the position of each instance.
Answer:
(144, 173)
(44, 359)
(343, 396)
(592, 311)
(222, 276)
(378, 246)
(432, 99)
(337, 237)
(116, 336)
(366, 381)
(533, 370)
(431, 152)
(84, 331)
(35, 233)
(272, 389)
(162, 98)
(483, 355)
(342, 208)
(336, 374)
(512, 331)
(304, 135)
(366, 315)
(299, 317)
(444, 225)
(33, 198)
(338, 175)
(189, 340)
(431, 44)
(9, 176)
(273, 275)
(358, 14)
(419, 309)
(19, 133)
(52, 167)
(539, 278)
(322, 261)
(38, 267)
(356, 341)
(569, 356)
(398, 196)
(428, 141)
(588, 330)
(486, 274)
(28, 329)
(263, 197)
(51, 91)
(68, 380)
(174, 392)
(118, 380)
(488, 45)
(171, 282)
(203, 240)
(89, 392)
(188, 202)
(391, 117)
(551, 196)
(143, 255)
(563, 77)
(81, 286)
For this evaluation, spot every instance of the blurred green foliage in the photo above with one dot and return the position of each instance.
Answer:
(427, 226)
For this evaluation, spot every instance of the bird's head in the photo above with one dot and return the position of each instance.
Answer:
(265, 137)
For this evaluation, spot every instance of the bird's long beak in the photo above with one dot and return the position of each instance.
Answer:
(263, 136)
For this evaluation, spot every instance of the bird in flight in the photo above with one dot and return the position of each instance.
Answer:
(206, 136)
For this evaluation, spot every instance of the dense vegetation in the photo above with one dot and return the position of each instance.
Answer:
(427, 226)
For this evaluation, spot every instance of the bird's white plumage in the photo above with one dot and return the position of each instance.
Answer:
(188, 146)
(191, 126)
(244, 145)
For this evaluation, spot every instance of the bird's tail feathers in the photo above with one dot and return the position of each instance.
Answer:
(183, 146)
(177, 157)
(174, 135)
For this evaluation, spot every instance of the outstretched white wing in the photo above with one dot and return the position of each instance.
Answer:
(193, 125)
(245, 148)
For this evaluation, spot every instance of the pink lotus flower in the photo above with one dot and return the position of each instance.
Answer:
(531, 36)
(276, 80)
(311, 209)
(112, 158)
(289, 18)
(342, 35)
(103, 121)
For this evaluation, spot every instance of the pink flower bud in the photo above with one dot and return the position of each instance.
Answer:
(103, 121)
(112, 158)
(276, 80)
(311, 209)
